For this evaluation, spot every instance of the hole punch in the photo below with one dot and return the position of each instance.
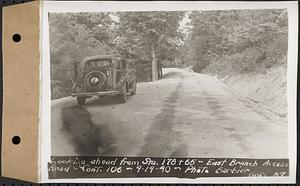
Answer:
(16, 140)
(16, 38)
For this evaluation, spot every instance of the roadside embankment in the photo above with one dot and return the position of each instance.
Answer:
(267, 90)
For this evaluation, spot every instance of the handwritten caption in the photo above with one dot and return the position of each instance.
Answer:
(117, 167)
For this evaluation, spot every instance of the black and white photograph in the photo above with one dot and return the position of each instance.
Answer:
(171, 84)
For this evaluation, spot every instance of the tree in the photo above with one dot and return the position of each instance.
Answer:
(74, 36)
(248, 36)
(144, 34)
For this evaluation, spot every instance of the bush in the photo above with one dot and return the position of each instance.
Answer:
(276, 52)
(239, 41)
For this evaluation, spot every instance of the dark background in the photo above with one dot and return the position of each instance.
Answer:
(12, 182)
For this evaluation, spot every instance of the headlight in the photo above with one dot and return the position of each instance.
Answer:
(94, 81)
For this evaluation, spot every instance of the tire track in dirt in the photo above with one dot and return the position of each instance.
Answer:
(219, 112)
(162, 140)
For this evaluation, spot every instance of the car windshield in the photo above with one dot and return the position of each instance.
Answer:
(98, 63)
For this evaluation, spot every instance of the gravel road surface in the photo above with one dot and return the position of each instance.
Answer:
(185, 114)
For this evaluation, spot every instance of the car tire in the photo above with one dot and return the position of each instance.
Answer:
(124, 94)
(133, 92)
(81, 100)
(123, 98)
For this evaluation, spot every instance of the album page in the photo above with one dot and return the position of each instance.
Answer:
(168, 92)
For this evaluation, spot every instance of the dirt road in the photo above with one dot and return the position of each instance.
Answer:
(185, 114)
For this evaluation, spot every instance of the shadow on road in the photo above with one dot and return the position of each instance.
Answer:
(87, 138)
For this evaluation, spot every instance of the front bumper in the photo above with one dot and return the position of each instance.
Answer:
(106, 93)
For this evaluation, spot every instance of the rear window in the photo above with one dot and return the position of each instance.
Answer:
(98, 63)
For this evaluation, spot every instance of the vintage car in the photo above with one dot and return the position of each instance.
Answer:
(103, 75)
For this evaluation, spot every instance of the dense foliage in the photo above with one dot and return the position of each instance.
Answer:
(236, 41)
(220, 42)
(151, 38)
(73, 37)
(145, 39)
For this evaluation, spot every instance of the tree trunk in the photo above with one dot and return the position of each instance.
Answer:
(161, 73)
(159, 68)
(154, 65)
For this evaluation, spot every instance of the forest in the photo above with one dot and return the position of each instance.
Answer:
(220, 42)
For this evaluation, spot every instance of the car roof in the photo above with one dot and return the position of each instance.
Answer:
(89, 58)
